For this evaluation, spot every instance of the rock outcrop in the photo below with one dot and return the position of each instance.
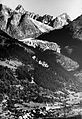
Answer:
(56, 23)
(5, 14)
(20, 9)
(16, 23)
(61, 21)
(46, 19)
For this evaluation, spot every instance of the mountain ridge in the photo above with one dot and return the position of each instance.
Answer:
(18, 22)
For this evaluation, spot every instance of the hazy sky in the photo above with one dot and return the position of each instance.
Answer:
(52, 7)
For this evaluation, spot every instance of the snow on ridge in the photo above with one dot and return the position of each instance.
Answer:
(45, 45)
(41, 26)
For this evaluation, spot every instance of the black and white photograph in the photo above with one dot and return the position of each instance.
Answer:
(40, 59)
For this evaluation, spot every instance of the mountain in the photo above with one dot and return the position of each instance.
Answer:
(57, 22)
(40, 66)
(22, 24)
(19, 25)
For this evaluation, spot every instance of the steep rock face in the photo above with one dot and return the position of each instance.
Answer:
(21, 27)
(5, 13)
(61, 21)
(20, 9)
(56, 23)
(16, 23)
(46, 19)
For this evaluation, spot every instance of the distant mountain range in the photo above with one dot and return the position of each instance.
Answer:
(40, 64)
(22, 24)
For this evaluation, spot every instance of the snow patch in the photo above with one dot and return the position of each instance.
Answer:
(41, 26)
(43, 63)
(45, 45)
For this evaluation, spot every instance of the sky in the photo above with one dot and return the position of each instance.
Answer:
(52, 7)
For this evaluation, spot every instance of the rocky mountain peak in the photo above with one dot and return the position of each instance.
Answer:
(21, 24)
(20, 9)
(61, 21)
(6, 9)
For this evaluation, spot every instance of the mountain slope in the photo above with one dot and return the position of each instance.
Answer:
(76, 27)
(69, 46)
(32, 77)
(45, 55)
